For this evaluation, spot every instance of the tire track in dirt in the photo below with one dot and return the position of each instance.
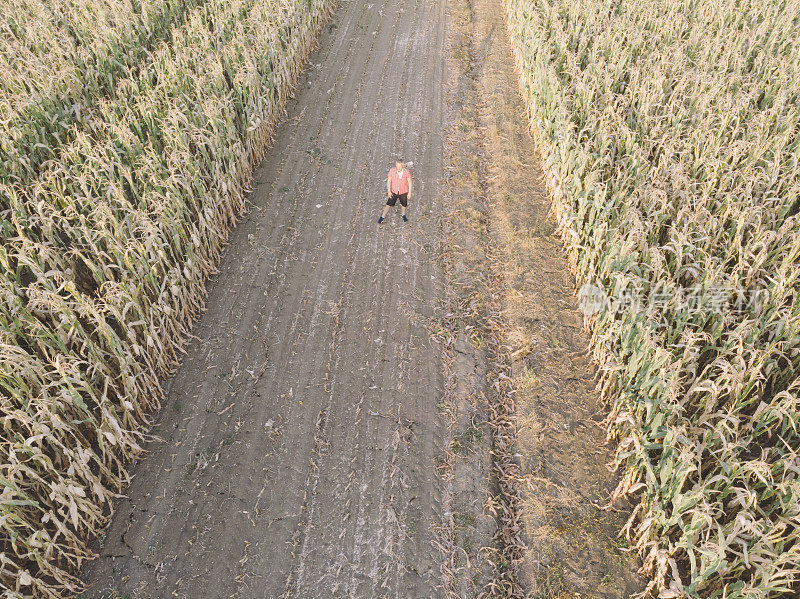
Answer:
(299, 440)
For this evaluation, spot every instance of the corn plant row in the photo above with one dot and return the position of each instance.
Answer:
(102, 268)
(59, 58)
(669, 135)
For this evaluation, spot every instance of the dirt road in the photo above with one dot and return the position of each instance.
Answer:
(299, 437)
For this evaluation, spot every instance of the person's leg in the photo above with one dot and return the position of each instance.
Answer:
(389, 203)
(403, 205)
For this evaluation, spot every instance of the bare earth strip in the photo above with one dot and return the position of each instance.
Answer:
(299, 439)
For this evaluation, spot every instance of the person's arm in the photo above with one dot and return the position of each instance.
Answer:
(389, 184)
(410, 185)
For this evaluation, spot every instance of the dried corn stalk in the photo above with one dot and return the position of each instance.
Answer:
(669, 132)
(127, 147)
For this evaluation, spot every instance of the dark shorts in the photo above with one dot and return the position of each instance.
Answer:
(403, 197)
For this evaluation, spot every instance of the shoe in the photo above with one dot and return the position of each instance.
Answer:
(380, 219)
(405, 220)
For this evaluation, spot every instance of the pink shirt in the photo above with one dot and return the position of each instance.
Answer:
(400, 184)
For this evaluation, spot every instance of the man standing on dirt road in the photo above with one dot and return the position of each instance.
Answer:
(398, 187)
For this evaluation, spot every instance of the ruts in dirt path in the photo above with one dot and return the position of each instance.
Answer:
(297, 451)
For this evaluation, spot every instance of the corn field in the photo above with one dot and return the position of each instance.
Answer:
(669, 134)
(130, 130)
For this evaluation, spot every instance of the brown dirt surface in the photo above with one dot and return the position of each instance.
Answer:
(329, 433)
